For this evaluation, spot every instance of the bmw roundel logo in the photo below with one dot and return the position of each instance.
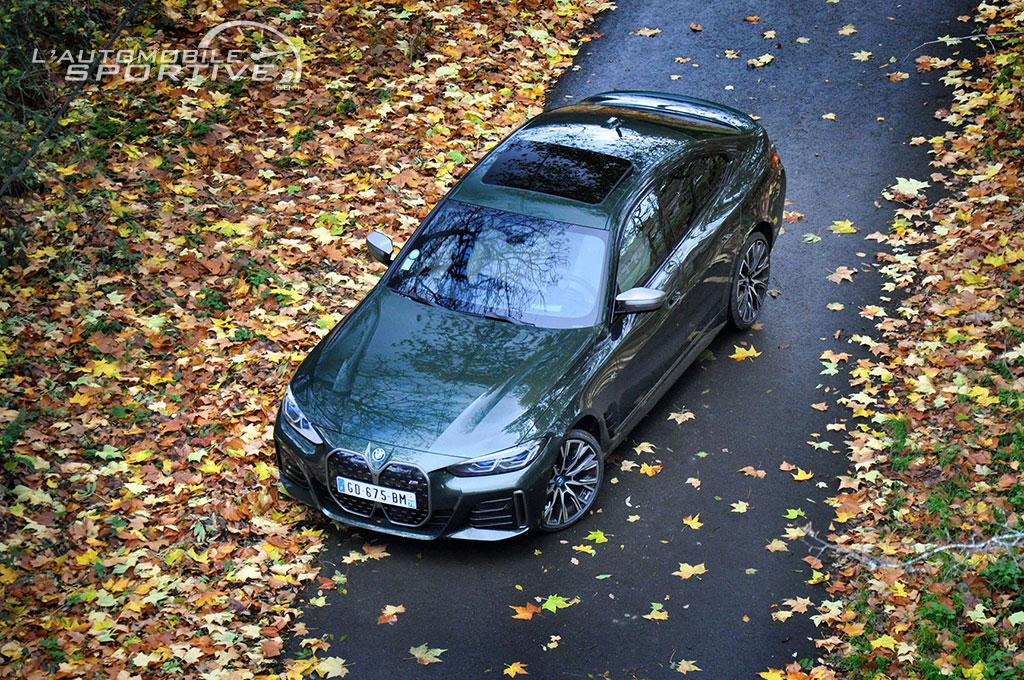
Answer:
(378, 455)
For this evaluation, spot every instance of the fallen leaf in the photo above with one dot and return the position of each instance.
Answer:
(515, 669)
(776, 545)
(848, 29)
(525, 613)
(751, 471)
(389, 614)
(801, 475)
(681, 417)
(763, 60)
(862, 55)
(742, 353)
(820, 406)
(333, 667)
(685, 666)
(657, 613)
(650, 470)
(693, 481)
(841, 274)
(828, 116)
(695, 27)
(686, 571)
(426, 655)
(648, 32)
(693, 521)
(740, 506)
(909, 187)
(842, 227)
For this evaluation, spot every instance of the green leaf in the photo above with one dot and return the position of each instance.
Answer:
(1016, 618)
(793, 513)
(811, 238)
(457, 156)
(601, 577)
(556, 602)
(108, 452)
(597, 536)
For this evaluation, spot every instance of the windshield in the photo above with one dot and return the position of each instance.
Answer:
(507, 266)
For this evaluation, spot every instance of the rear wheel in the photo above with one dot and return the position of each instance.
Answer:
(749, 282)
(575, 478)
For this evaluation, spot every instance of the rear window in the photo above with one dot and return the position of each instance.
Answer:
(576, 174)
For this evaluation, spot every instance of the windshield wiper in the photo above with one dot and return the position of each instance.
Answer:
(504, 317)
(419, 298)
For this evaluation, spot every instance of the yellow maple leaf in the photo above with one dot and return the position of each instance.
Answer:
(644, 447)
(650, 470)
(584, 548)
(740, 506)
(686, 571)
(517, 668)
(693, 521)
(801, 474)
(842, 227)
(742, 353)
(772, 674)
(885, 641)
(331, 667)
(685, 666)
(104, 367)
(657, 613)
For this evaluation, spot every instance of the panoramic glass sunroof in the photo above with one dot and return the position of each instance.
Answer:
(576, 174)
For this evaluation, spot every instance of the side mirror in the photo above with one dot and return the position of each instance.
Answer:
(380, 246)
(639, 299)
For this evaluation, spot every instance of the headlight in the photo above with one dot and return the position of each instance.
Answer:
(508, 460)
(294, 416)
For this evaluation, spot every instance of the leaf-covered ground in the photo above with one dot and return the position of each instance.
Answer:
(929, 576)
(192, 240)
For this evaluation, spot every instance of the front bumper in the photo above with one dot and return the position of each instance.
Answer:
(483, 508)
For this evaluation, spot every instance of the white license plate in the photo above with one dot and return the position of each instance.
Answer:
(380, 494)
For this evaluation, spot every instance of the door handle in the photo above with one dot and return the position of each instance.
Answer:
(675, 298)
(726, 237)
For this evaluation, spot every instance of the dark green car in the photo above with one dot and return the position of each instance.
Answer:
(544, 305)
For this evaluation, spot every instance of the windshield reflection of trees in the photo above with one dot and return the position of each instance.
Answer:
(489, 262)
(427, 385)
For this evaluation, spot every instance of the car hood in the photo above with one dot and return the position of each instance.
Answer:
(401, 373)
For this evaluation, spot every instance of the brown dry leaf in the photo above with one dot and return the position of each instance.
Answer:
(841, 274)
(389, 614)
(751, 471)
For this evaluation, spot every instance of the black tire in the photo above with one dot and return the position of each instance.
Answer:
(749, 286)
(574, 482)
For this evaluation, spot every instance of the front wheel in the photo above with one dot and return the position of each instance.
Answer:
(575, 478)
(749, 282)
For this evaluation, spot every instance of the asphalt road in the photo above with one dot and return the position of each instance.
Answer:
(457, 595)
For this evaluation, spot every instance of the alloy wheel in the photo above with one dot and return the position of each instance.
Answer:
(752, 281)
(575, 479)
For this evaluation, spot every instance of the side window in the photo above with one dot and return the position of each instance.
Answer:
(686, 192)
(643, 244)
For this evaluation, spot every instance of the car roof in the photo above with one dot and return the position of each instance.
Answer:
(645, 129)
